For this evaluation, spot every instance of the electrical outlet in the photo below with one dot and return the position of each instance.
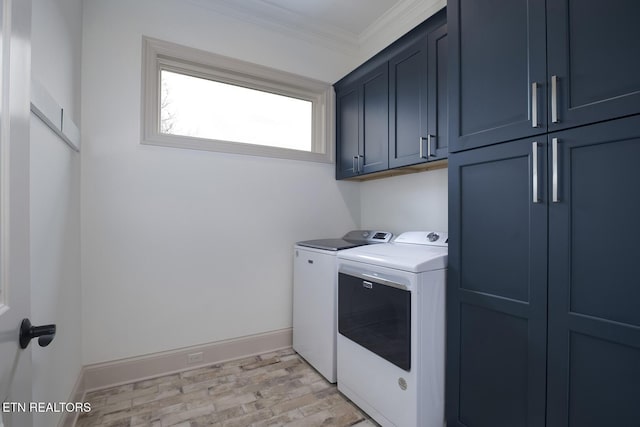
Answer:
(195, 357)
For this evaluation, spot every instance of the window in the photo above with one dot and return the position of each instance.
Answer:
(199, 100)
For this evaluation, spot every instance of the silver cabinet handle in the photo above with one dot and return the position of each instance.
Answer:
(534, 105)
(554, 99)
(353, 163)
(429, 138)
(534, 158)
(429, 152)
(554, 170)
(360, 163)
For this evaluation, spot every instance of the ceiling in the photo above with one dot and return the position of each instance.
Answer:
(353, 16)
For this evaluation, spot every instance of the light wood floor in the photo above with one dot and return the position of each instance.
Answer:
(275, 389)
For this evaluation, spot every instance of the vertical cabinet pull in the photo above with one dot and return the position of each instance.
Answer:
(357, 164)
(534, 105)
(554, 171)
(430, 138)
(554, 99)
(534, 178)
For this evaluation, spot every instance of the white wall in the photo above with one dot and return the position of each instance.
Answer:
(407, 202)
(55, 206)
(185, 247)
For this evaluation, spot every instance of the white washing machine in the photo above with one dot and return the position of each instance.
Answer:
(315, 283)
(391, 324)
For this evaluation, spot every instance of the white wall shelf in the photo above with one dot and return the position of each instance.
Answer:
(52, 114)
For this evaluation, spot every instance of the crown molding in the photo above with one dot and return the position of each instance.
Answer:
(404, 15)
(284, 21)
(399, 19)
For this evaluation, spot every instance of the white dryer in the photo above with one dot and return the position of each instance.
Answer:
(315, 284)
(391, 329)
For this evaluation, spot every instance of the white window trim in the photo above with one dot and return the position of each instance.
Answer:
(160, 55)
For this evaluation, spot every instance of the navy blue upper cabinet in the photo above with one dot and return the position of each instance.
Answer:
(497, 71)
(438, 122)
(418, 101)
(347, 131)
(594, 61)
(393, 110)
(374, 127)
(408, 105)
(362, 127)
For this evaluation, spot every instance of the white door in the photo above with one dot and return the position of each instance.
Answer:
(15, 77)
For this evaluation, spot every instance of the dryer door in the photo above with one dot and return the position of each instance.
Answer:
(377, 316)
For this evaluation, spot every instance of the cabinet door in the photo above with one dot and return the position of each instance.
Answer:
(496, 293)
(497, 52)
(408, 105)
(594, 54)
(374, 138)
(594, 281)
(347, 135)
(438, 110)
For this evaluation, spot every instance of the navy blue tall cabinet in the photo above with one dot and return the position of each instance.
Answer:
(543, 299)
(497, 293)
(594, 276)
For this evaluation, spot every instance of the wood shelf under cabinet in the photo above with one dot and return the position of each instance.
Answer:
(421, 167)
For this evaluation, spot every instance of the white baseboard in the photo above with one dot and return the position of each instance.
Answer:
(118, 372)
(68, 419)
(110, 374)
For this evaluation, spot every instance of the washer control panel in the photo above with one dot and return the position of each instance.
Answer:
(368, 236)
(380, 236)
(433, 238)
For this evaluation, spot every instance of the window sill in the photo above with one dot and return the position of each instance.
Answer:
(192, 143)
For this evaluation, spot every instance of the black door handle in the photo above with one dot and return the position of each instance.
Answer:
(45, 333)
